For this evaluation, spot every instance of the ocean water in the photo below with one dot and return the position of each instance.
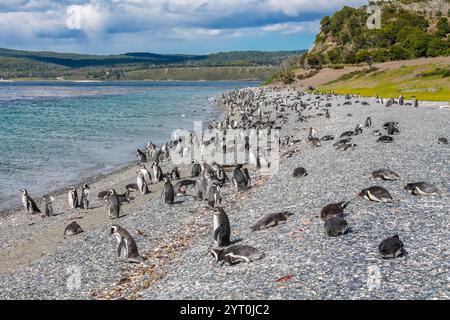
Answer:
(55, 134)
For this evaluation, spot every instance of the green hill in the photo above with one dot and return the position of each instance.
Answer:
(15, 64)
(409, 29)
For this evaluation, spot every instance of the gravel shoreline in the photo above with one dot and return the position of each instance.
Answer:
(301, 261)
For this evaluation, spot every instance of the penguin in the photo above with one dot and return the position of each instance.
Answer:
(368, 122)
(385, 174)
(385, 139)
(72, 229)
(236, 253)
(140, 155)
(333, 209)
(299, 172)
(84, 199)
(142, 185)
(335, 226)
(175, 174)
(391, 247)
(196, 170)
(222, 230)
(347, 134)
(442, 140)
(271, 220)
(132, 187)
(422, 188)
(342, 142)
(113, 204)
(327, 138)
(214, 198)
(358, 129)
(157, 173)
(167, 194)
(392, 129)
(416, 103)
(247, 177)
(346, 146)
(48, 205)
(239, 178)
(377, 194)
(125, 240)
(146, 173)
(73, 198)
(312, 135)
(401, 100)
(29, 203)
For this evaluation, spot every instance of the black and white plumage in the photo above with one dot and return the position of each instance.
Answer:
(385, 174)
(385, 139)
(333, 209)
(240, 178)
(377, 194)
(72, 229)
(222, 229)
(271, 220)
(168, 193)
(214, 198)
(48, 205)
(141, 183)
(391, 247)
(126, 241)
(335, 226)
(113, 204)
(422, 188)
(299, 172)
(84, 199)
(442, 140)
(73, 198)
(236, 253)
(29, 203)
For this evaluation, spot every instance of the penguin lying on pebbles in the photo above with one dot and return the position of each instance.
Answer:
(385, 139)
(327, 138)
(335, 226)
(391, 247)
(422, 188)
(236, 253)
(385, 174)
(333, 209)
(72, 229)
(299, 172)
(271, 220)
(442, 140)
(376, 193)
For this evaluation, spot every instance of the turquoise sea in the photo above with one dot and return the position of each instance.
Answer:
(56, 133)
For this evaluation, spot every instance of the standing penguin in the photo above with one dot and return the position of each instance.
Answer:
(124, 239)
(239, 178)
(84, 200)
(48, 205)
(140, 155)
(146, 173)
(157, 173)
(142, 185)
(167, 194)
(368, 122)
(29, 203)
(73, 198)
(214, 198)
(222, 230)
(113, 204)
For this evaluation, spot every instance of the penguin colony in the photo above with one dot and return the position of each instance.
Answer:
(208, 179)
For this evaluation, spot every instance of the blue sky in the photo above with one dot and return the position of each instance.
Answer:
(163, 26)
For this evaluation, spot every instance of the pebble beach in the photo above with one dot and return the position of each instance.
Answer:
(301, 261)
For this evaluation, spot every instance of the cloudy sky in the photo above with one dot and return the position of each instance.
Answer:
(162, 26)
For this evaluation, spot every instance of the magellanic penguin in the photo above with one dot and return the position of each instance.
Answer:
(442, 140)
(141, 183)
(167, 194)
(271, 220)
(157, 173)
(72, 229)
(29, 203)
(146, 173)
(175, 174)
(422, 188)
(113, 204)
(333, 209)
(84, 200)
(196, 170)
(385, 174)
(236, 253)
(73, 198)
(222, 230)
(214, 198)
(335, 226)
(48, 205)
(385, 139)
(125, 240)
(391, 247)
(299, 172)
(240, 178)
(141, 155)
(368, 122)
(376, 193)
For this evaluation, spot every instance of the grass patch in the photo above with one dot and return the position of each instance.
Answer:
(423, 82)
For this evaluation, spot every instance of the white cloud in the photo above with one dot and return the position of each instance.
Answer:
(292, 28)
